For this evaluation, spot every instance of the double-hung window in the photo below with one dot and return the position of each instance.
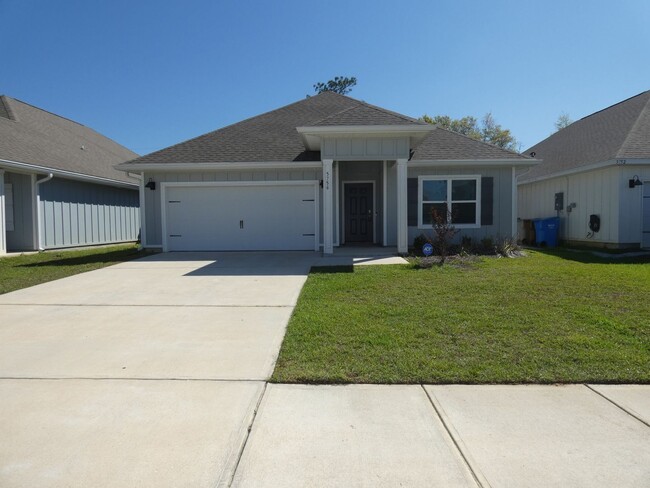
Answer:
(455, 197)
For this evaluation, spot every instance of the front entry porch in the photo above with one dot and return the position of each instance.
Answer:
(361, 206)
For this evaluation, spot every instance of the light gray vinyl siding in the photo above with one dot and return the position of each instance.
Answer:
(22, 237)
(152, 197)
(78, 213)
(502, 200)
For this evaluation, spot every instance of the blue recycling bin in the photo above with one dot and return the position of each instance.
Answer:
(546, 231)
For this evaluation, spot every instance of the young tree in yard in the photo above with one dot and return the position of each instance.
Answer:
(443, 233)
(487, 130)
(563, 121)
(340, 84)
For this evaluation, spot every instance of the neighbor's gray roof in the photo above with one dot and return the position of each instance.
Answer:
(273, 136)
(621, 131)
(34, 136)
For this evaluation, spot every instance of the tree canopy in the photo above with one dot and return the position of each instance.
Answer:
(563, 121)
(340, 84)
(486, 130)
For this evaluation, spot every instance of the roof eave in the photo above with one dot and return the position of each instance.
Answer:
(475, 162)
(217, 165)
(35, 168)
(312, 135)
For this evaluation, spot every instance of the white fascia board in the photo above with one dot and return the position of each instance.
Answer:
(588, 167)
(215, 166)
(34, 168)
(311, 135)
(331, 130)
(473, 162)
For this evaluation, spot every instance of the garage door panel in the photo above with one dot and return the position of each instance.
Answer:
(255, 217)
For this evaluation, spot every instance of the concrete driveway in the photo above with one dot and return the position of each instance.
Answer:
(145, 329)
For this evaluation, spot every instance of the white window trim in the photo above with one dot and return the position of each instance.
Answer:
(449, 179)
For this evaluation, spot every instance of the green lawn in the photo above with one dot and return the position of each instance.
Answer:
(554, 317)
(28, 270)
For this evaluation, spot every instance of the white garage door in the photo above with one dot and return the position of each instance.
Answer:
(255, 217)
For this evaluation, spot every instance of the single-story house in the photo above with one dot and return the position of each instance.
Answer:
(58, 184)
(323, 172)
(595, 175)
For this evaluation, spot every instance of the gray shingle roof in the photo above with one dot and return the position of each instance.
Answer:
(443, 144)
(618, 132)
(34, 136)
(272, 136)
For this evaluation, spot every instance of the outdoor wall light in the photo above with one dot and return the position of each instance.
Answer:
(320, 183)
(635, 181)
(151, 184)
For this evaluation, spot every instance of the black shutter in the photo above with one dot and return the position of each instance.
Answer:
(412, 201)
(487, 200)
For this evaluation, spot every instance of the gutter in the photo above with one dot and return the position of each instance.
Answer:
(39, 218)
(67, 174)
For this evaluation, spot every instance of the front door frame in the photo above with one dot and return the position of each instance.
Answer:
(374, 208)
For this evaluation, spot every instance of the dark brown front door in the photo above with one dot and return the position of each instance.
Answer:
(358, 212)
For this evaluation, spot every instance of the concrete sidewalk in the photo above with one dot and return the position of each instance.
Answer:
(451, 436)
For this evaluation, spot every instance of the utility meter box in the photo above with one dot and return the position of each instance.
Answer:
(559, 201)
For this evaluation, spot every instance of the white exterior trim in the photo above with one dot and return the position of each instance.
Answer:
(3, 230)
(337, 204)
(513, 203)
(472, 162)
(449, 179)
(328, 222)
(126, 167)
(374, 207)
(143, 213)
(384, 200)
(66, 174)
(190, 184)
(588, 167)
(402, 207)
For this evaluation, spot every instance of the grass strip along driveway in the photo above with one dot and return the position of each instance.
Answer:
(554, 317)
(31, 269)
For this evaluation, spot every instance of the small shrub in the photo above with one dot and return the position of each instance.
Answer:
(444, 232)
(508, 248)
(466, 243)
(418, 242)
(487, 245)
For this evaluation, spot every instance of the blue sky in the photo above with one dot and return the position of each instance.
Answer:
(153, 73)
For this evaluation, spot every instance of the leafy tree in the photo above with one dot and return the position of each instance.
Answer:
(563, 121)
(487, 130)
(340, 84)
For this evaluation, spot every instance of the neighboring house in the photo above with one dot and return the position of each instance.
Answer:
(58, 184)
(323, 172)
(599, 168)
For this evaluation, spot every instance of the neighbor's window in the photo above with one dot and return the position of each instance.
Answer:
(460, 195)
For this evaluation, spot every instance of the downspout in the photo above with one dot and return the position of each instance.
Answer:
(39, 217)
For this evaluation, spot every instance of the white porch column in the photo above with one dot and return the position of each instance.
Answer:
(515, 229)
(402, 210)
(3, 217)
(328, 200)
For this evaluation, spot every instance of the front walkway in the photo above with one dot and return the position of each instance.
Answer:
(153, 373)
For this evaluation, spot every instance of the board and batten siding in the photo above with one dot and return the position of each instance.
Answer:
(631, 202)
(593, 192)
(76, 213)
(21, 236)
(152, 197)
(502, 219)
